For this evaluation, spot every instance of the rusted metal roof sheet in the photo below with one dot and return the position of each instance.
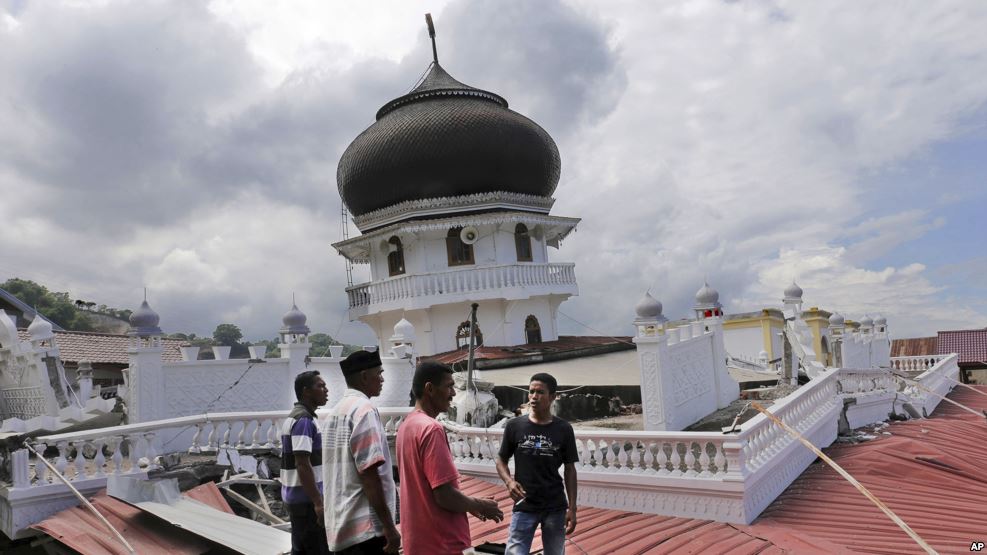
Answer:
(931, 472)
(970, 345)
(80, 530)
(914, 347)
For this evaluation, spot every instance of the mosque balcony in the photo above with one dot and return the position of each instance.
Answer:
(505, 281)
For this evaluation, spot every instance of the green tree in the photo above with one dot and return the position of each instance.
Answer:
(56, 306)
(227, 334)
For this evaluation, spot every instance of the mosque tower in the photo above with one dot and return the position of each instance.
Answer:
(451, 191)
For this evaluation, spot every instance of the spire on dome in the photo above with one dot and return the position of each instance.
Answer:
(431, 35)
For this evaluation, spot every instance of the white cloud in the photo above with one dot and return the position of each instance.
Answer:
(193, 149)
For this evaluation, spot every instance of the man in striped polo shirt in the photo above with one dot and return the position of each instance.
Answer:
(301, 466)
(358, 477)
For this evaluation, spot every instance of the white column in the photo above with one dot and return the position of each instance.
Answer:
(727, 390)
(147, 387)
(651, 348)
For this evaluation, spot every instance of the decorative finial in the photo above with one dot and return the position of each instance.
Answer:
(431, 34)
(145, 293)
(292, 298)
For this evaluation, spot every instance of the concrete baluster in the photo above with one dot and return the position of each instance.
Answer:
(20, 469)
(704, 470)
(99, 459)
(151, 453)
(255, 436)
(194, 448)
(61, 462)
(690, 460)
(133, 452)
(719, 459)
(662, 459)
(621, 455)
(649, 457)
(272, 433)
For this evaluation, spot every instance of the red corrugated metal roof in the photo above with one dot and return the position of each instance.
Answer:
(914, 347)
(970, 345)
(110, 348)
(931, 472)
(79, 529)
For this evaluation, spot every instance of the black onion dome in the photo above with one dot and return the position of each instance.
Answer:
(446, 139)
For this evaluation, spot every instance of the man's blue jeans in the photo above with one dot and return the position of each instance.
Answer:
(523, 527)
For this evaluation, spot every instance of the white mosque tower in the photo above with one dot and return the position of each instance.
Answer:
(451, 192)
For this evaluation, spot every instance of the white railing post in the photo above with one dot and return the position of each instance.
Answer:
(20, 469)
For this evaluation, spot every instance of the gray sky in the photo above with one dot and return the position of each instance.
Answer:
(191, 147)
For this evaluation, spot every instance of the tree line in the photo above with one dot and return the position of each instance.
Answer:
(72, 315)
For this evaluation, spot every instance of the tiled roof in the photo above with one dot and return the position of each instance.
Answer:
(567, 346)
(914, 347)
(930, 472)
(106, 348)
(970, 345)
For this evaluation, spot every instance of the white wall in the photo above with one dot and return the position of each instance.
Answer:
(426, 251)
(501, 321)
(744, 342)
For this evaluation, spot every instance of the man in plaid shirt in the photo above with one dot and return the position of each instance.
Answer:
(357, 471)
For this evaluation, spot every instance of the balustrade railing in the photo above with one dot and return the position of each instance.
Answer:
(916, 363)
(802, 410)
(132, 448)
(936, 381)
(675, 454)
(870, 380)
(466, 280)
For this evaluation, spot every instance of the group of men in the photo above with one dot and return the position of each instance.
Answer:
(338, 483)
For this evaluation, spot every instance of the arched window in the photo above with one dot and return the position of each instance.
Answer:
(395, 258)
(463, 336)
(522, 243)
(460, 254)
(532, 331)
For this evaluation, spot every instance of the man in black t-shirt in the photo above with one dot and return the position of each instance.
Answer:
(540, 443)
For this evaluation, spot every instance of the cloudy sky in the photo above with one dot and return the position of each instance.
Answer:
(191, 147)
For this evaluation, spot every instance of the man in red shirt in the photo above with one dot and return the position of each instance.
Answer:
(433, 510)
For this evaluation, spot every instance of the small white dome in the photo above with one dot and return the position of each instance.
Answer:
(866, 322)
(144, 321)
(40, 329)
(707, 295)
(836, 319)
(648, 308)
(404, 331)
(880, 321)
(294, 321)
(793, 292)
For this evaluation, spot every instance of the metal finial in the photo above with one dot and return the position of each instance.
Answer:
(292, 298)
(145, 293)
(431, 34)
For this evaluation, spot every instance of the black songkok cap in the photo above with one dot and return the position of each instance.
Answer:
(358, 361)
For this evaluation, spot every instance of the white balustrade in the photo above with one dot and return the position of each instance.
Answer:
(466, 280)
(119, 449)
(916, 363)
